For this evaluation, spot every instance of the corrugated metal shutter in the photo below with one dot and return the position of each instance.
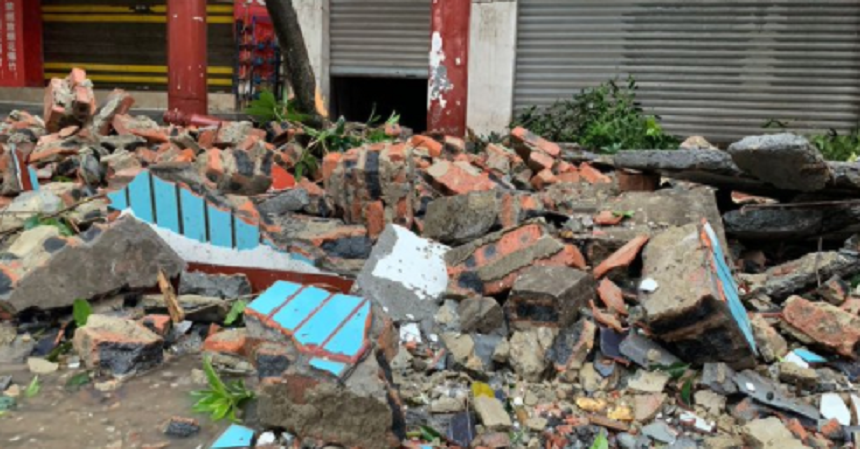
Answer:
(388, 38)
(123, 43)
(717, 68)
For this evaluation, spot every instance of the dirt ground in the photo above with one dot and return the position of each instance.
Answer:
(130, 416)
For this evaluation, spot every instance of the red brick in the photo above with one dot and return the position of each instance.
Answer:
(230, 341)
(632, 181)
(456, 179)
(825, 323)
(393, 130)
(543, 179)
(623, 257)
(524, 138)
(565, 167)
(612, 296)
(571, 177)
(206, 138)
(281, 178)
(593, 175)
(607, 319)
(608, 218)
(375, 217)
(797, 429)
(160, 324)
(540, 161)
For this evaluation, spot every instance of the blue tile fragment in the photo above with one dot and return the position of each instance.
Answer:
(327, 319)
(730, 288)
(247, 235)
(166, 204)
(140, 196)
(193, 216)
(809, 356)
(118, 199)
(272, 298)
(330, 366)
(220, 227)
(34, 178)
(349, 339)
(235, 436)
(300, 308)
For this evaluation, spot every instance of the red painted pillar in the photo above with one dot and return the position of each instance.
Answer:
(186, 56)
(449, 66)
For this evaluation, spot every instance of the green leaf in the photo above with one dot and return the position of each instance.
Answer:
(236, 310)
(624, 213)
(600, 442)
(81, 310)
(687, 392)
(675, 370)
(429, 434)
(31, 222)
(33, 388)
(62, 348)
(78, 380)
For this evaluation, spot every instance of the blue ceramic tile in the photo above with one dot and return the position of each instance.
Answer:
(809, 356)
(220, 227)
(166, 204)
(118, 199)
(34, 178)
(325, 321)
(350, 339)
(140, 196)
(300, 307)
(247, 235)
(273, 297)
(235, 436)
(335, 368)
(193, 215)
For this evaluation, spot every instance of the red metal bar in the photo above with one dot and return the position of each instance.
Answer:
(449, 66)
(186, 56)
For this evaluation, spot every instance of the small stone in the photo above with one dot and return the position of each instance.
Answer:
(41, 366)
(711, 402)
(492, 413)
(769, 433)
(536, 423)
(502, 352)
(181, 427)
(481, 314)
(528, 350)
(649, 381)
(660, 431)
(446, 404)
(790, 372)
(646, 406)
(13, 392)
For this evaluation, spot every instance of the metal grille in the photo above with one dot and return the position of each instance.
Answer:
(389, 38)
(716, 68)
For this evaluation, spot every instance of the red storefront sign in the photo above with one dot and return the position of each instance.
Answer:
(20, 43)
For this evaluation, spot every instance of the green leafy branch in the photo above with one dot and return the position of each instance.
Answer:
(222, 399)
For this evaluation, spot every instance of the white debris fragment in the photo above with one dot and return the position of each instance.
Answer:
(833, 407)
(648, 285)
(410, 333)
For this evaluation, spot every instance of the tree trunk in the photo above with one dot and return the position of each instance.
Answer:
(299, 71)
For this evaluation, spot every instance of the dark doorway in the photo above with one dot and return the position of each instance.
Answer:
(356, 97)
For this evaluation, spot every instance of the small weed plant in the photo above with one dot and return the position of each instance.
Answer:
(222, 399)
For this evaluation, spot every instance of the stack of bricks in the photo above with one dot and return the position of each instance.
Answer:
(373, 185)
(69, 101)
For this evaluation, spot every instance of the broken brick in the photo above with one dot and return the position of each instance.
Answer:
(593, 175)
(621, 258)
(526, 142)
(160, 324)
(612, 296)
(458, 178)
(229, 341)
(825, 324)
(117, 345)
(543, 179)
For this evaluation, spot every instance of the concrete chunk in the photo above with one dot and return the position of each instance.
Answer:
(126, 253)
(117, 345)
(405, 274)
(696, 309)
(548, 296)
(786, 161)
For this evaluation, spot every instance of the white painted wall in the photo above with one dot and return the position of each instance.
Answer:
(314, 20)
(492, 57)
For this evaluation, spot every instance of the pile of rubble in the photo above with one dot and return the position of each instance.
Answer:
(432, 291)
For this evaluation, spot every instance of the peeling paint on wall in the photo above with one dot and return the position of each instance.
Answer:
(439, 82)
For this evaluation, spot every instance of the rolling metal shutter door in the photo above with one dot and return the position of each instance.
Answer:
(716, 68)
(123, 43)
(388, 38)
